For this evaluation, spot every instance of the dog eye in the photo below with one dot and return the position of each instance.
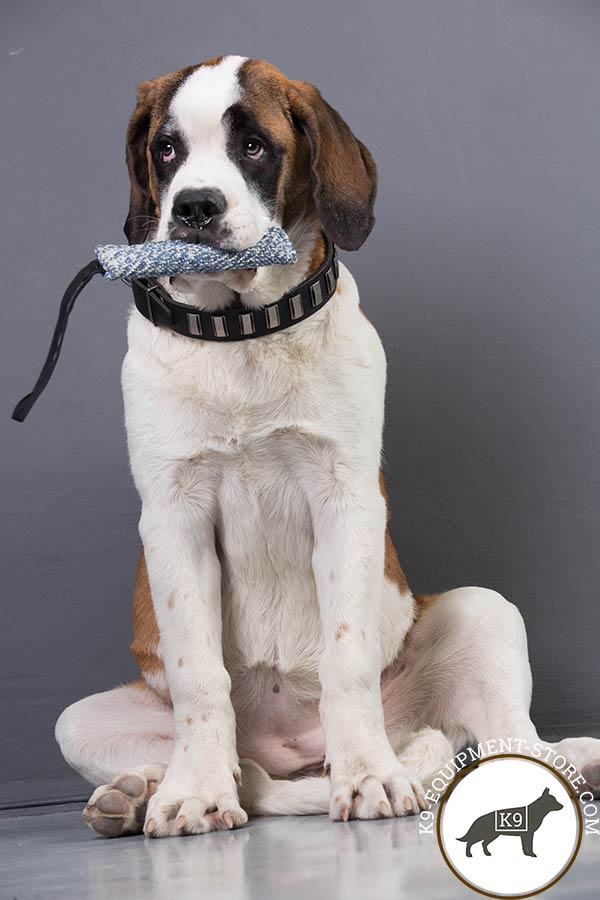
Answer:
(254, 149)
(167, 153)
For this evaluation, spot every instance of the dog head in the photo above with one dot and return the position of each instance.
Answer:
(549, 801)
(219, 152)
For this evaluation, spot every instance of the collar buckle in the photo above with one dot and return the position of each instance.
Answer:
(149, 293)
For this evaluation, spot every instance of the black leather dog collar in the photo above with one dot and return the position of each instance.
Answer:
(237, 323)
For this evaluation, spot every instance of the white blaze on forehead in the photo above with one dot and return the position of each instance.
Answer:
(196, 112)
(198, 105)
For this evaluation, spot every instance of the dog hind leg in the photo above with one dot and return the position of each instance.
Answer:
(119, 741)
(468, 674)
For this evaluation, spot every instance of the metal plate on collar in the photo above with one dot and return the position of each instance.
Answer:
(272, 316)
(194, 324)
(316, 294)
(219, 324)
(296, 307)
(330, 280)
(247, 323)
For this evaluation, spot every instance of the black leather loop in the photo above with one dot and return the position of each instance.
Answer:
(83, 277)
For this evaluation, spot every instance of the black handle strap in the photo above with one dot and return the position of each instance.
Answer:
(82, 278)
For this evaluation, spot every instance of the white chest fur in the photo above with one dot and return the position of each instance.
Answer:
(247, 432)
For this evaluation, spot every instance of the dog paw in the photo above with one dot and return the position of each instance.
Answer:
(376, 796)
(171, 812)
(584, 754)
(119, 808)
(591, 773)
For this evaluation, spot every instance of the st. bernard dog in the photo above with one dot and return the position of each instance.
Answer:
(275, 631)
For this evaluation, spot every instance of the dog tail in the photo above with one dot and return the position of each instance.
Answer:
(262, 795)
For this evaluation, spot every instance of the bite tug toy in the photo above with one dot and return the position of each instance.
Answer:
(139, 265)
(159, 258)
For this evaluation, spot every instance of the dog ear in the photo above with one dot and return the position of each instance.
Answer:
(141, 206)
(546, 791)
(343, 174)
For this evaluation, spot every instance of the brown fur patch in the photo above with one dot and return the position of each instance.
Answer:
(343, 173)
(392, 569)
(153, 100)
(342, 629)
(426, 598)
(265, 92)
(318, 254)
(145, 630)
(327, 171)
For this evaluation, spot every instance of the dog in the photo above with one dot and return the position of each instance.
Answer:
(274, 629)
(520, 822)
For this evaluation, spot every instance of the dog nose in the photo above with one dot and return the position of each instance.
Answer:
(198, 208)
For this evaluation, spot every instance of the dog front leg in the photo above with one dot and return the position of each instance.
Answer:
(199, 791)
(367, 781)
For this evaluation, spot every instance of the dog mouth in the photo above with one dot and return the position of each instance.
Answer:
(217, 238)
(238, 280)
(222, 239)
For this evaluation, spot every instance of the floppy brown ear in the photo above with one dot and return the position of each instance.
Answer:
(141, 205)
(344, 177)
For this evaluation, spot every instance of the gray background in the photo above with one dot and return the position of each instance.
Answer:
(482, 276)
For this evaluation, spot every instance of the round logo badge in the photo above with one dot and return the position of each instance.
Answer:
(509, 826)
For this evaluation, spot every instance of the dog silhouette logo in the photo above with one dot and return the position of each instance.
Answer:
(517, 821)
(522, 800)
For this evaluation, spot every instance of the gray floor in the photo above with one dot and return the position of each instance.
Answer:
(52, 855)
